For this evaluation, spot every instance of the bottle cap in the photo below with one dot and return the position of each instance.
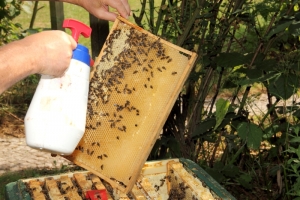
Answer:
(78, 28)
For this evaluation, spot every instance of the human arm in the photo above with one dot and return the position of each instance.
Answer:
(100, 8)
(47, 52)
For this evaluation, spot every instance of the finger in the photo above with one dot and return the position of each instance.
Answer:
(120, 7)
(73, 42)
(105, 15)
(127, 6)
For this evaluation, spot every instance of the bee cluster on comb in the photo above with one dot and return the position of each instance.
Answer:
(134, 84)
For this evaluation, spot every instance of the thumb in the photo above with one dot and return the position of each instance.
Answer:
(73, 42)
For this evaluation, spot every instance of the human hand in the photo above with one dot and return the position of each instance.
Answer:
(51, 51)
(100, 8)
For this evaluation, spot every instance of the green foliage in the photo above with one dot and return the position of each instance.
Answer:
(251, 133)
(240, 44)
(9, 31)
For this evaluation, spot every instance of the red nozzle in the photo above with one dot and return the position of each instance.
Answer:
(77, 28)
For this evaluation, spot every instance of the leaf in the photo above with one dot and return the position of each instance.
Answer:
(222, 106)
(267, 65)
(204, 127)
(294, 28)
(283, 86)
(295, 139)
(229, 60)
(245, 180)
(251, 133)
(259, 79)
(278, 29)
(231, 171)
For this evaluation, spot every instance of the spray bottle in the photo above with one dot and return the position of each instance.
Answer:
(56, 118)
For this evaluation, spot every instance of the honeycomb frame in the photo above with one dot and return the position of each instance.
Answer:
(133, 86)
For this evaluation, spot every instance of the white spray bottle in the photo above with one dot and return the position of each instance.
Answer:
(56, 118)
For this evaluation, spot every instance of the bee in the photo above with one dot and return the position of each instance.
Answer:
(159, 69)
(174, 73)
(98, 124)
(145, 60)
(151, 86)
(102, 167)
(92, 153)
(118, 137)
(163, 67)
(148, 78)
(113, 125)
(156, 188)
(129, 178)
(151, 74)
(115, 115)
(133, 89)
(145, 85)
(168, 178)
(150, 66)
(88, 151)
(105, 155)
(135, 125)
(145, 69)
(151, 60)
(162, 181)
(93, 143)
(100, 157)
(135, 72)
(98, 144)
(120, 116)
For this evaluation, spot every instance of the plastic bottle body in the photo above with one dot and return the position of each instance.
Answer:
(56, 118)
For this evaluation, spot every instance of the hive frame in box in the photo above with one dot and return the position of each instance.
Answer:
(134, 85)
(153, 174)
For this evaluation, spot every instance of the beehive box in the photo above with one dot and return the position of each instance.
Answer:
(134, 85)
(165, 179)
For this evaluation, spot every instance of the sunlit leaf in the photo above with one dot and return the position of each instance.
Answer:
(222, 106)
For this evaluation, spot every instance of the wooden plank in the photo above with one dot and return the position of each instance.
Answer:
(57, 15)
(69, 188)
(84, 184)
(100, 30)
(36, 189)
(53, 190)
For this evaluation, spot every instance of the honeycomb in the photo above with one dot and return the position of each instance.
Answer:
(134, 84)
